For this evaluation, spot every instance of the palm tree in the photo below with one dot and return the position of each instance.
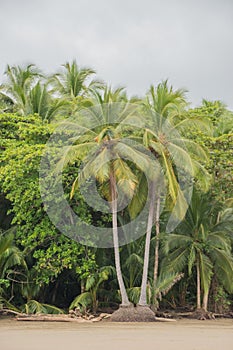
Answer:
(75, 86)
(90, 296)
(72, 82)
(202, 241)
(10, 255)
(27, 93)
(107, 94)
(40, 101)
(104, 152)
(171, 150)
(18, 85)
(165, 101)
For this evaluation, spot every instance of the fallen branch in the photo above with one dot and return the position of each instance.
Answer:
(50, 318)
(163, 319)
(61, 318)
(229, 315)
(8, 311)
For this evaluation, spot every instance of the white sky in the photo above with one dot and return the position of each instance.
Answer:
(132, 43)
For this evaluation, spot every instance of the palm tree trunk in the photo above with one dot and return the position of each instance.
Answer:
(95, 302)
(143, 298)
(198, 285)
(157, 232)
(82, 286)
(124, 297)
(205, 300)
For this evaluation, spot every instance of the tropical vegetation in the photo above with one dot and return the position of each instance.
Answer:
(139, 149)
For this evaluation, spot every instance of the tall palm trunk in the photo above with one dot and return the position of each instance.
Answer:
(143, 298)
(124, 297)
(157, 232)
(198, 285)
(205, 300)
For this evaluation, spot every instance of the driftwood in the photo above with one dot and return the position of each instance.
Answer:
(67, 318)
(194, 315)
(104, 316)
(229, 315)
(61, 318)
(48, 318)
(8, 311)
(164, 319)
(203, 315)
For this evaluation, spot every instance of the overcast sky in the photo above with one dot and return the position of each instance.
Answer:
(132, 43)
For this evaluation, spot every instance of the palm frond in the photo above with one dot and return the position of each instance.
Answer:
(164, 284)
(84, 300)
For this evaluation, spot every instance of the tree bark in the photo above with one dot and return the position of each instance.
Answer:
(157, 232)
(205, 300)
(143, 297)
(198, 285)
(124, 297)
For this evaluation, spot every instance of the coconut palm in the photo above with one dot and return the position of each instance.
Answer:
(109, 95)
(27, 93)
(72, 81)
(40, 101)
(75, 85)
(202, 242)
(19, 82)
(106, 155)
(165, 101)
(171, 150)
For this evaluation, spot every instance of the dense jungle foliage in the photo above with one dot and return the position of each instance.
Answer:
(42, 270)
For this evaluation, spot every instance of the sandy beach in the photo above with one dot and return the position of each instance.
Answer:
(183, 334)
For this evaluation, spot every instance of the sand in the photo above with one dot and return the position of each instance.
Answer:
(182, 335)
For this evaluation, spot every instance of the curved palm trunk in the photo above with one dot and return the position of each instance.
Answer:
(124, 297)
(157, 232)
(143, 298)
(198, 285)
